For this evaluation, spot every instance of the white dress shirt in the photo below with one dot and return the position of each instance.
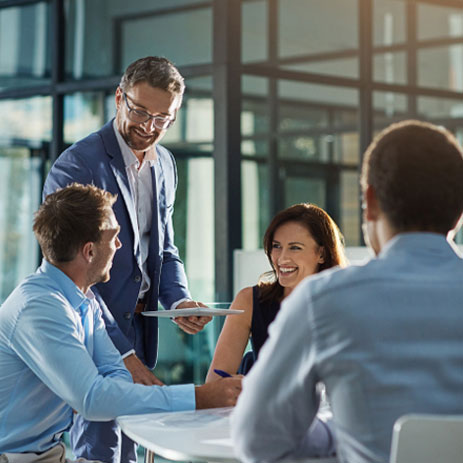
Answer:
(141, 187)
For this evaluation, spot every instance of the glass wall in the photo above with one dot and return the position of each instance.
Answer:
(315, 81)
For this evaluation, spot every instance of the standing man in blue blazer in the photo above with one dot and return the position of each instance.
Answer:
(124, 158)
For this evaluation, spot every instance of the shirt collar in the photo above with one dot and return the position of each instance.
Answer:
(130, 160)
(422, 241)
(71, 292)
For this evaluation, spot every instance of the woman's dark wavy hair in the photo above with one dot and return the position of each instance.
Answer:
(323, 230)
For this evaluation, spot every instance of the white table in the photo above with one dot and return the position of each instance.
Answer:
(201, 435)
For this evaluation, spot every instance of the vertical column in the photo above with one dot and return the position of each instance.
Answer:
(276, 177)
(227, 140)
(57, 75)
(365, 21)
(411, 57)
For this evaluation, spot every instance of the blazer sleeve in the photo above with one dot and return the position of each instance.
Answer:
(71, 167)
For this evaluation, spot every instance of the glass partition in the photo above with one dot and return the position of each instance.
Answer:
(25, 38)
(104, 36)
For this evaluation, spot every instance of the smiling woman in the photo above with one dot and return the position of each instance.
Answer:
(300, 241)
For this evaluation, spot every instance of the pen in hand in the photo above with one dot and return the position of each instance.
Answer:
(222, 373)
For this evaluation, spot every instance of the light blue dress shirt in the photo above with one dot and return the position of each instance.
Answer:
(385, 338)
(48, 368)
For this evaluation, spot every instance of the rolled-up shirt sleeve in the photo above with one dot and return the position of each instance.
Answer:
(48, 340)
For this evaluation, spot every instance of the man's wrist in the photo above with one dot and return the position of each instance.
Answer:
(127, 354)
(180, 301)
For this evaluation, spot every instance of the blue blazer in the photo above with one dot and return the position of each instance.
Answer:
(97, 160)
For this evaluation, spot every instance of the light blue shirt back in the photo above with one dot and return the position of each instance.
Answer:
(386, 339)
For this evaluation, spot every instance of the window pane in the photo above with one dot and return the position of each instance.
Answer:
(193, 130)
(389, 22)
(441, 67)
(390, 68)
(254, 31)
(306, 26)
(305, 39)
(26, 120)
(25, 44)
(345, 67)
(254, 106)
(305, 190)
(439, 108)
(350, 213)
(389, 107)
(184, 358)
(20, 191)
(184, 37)
(255, 203)
(311, 116)
(436, 21)
(347, 148)
(103, 37)
(83, 114)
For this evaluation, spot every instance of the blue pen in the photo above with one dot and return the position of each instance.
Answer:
(222, 373)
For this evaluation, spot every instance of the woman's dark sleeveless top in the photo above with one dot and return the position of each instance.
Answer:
(262, 315)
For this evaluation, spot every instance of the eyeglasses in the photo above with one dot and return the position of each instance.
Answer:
(139, 116)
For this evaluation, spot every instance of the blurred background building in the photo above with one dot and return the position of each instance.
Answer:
(282, 98)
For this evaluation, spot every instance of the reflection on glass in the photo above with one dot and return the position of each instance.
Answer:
(20, 189)
(254, 31)
(350, 213)
(255, 203)
(390, 68)
(24, 46)
(389, 22)
(27, 120)
(306, 147)
(306, 26)
(441, 67)
(83, 114)
(305, 190)
(302, 116)
(438, 21)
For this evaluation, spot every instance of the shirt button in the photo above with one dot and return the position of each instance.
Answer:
(127, 315)
(137, 278)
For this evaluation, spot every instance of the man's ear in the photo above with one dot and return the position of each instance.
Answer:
(88, 251)
(371, 204)
(118, 97)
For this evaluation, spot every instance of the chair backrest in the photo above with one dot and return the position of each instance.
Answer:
(427, 439)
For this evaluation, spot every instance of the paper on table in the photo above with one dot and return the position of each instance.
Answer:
(195, 311)
(225, 442)
(193, 419)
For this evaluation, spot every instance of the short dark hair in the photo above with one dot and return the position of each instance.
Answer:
(323, 230)
(416, 170)
(157, 71)
(69, 218)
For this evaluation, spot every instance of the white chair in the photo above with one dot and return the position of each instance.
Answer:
(427, 439)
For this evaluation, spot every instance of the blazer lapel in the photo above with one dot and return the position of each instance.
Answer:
(156, 222)
(118, 167)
